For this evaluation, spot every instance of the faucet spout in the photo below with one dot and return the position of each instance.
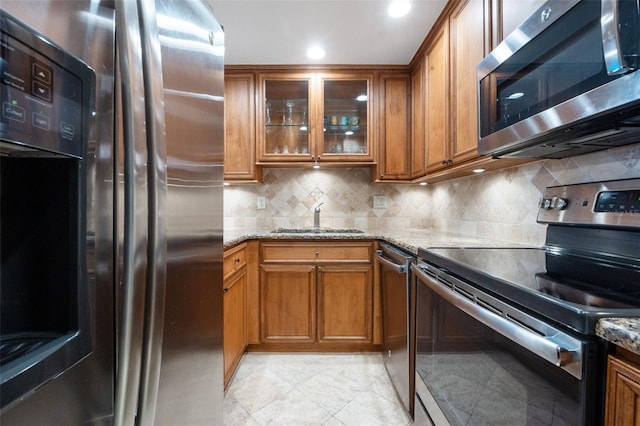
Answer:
(316, 216)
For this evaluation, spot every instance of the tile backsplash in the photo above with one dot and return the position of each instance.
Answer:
(501, 205)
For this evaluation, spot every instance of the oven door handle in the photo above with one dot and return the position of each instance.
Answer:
(401, 269)
(540, 345)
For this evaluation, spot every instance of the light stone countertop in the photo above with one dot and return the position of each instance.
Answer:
(624, 332)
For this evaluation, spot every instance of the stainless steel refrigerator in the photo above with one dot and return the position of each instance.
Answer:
(119, 206)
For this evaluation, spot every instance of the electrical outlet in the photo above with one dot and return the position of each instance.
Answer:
(379, 202)
(261, 202)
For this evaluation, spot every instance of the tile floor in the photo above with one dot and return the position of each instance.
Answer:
(312, 389)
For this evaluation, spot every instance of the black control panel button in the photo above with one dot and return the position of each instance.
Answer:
(43, 73)
(13, 112)
(41, 121)
(41, 91)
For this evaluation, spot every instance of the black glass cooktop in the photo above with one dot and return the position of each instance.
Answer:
(572, 289)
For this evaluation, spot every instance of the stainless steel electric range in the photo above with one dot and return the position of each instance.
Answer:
(507, 335)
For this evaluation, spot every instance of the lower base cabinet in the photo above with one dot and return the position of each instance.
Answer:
(316, 296)
(234, 309)
(623, 390)
(345, 304)
(287, 304)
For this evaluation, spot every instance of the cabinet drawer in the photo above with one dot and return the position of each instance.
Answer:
(234, 259)
(313, 251)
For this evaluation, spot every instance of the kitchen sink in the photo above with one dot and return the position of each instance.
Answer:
(316, 231)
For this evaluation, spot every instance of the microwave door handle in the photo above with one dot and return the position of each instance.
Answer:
(611, 38)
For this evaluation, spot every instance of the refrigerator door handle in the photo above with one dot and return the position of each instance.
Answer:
(134, 237)
(157, 193)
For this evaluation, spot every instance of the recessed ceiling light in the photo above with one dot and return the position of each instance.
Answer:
(423, 183)
(315, 52)
(478, 170)
(399, 8)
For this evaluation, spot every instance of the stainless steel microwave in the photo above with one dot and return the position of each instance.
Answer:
(564, 83)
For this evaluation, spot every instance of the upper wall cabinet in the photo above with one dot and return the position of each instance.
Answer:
(394, 137)
(437, 100)
(458, 46)
(239, 128)
(418, 120)
(310, 117)
(284, 117)
(469, 43)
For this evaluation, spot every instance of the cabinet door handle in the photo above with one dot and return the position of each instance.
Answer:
(225, 290)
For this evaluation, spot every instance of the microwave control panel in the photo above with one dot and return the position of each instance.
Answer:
(45, 93)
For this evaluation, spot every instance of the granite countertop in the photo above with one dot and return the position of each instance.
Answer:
(624, 332)
(408, 239)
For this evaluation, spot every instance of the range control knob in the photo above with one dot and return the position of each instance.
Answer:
(562, 203)
(547, 203)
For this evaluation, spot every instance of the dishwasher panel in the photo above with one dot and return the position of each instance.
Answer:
(394, 280)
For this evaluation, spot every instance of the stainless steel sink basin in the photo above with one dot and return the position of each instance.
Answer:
(316, 231)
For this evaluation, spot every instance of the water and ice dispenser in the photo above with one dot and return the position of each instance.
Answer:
(46, 97)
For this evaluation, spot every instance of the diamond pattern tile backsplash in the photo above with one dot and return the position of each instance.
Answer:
(501, 205)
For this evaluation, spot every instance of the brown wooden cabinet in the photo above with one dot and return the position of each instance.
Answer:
(469, 42)
(345, 303)
(437, 99)
(459, 46)
(394, 140)
(418, 120)
(308, 117)
(240, 129)
(288, 303)
(623, 389)
(316, 295)
(460, 39)
(234, 308)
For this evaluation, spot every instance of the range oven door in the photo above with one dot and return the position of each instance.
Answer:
(479, 361)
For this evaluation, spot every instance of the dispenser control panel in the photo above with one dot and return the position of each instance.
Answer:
(44, 93)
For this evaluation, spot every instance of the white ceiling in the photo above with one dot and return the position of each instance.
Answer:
(352, 32)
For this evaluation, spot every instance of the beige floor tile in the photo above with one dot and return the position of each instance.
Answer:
(312, 389)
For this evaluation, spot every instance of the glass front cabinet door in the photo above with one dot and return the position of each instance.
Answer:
(345, 109)
(308, 117)
(284, 119)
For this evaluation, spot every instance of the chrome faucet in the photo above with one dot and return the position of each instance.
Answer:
(316, 216)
